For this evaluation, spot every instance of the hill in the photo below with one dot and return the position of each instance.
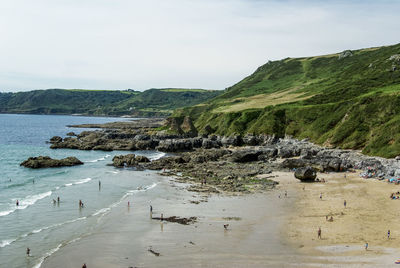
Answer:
(347, 100)
(152, 102)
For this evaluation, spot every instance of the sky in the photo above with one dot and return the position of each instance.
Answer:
(212, 44)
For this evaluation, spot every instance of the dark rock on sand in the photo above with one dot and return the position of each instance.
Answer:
(46, 162)
(306, 174)
(184, 221)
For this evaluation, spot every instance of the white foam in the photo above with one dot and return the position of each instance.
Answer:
(101, 211)
(100, 159)
(68, 184)
(48, 254)
(6, 212)
(6, 242)
(83, 181)
(25, 202)
(157, 156)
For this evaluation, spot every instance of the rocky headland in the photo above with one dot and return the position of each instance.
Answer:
(47, 162)
(217, 163)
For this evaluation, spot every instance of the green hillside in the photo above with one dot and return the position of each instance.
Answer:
(348, 100)
(152, 102)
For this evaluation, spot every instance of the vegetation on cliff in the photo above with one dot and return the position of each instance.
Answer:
(347, 100)
(152, 102)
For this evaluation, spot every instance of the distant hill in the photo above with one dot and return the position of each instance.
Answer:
(348, 100)
(152, 102)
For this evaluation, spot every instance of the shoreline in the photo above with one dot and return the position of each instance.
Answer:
(253, 238)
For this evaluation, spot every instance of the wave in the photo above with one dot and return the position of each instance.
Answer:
(5, 243)
(101, 211)
(26, 202)
(157, 156)
(114, 172)
(47, 254)
(100, 159)
(78, 182)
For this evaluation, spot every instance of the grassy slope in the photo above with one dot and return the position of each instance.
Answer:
(353, 102)
(153, 102)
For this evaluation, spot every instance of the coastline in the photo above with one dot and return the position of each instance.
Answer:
(253, 238)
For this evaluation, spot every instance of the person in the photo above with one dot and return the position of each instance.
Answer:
(54, 201)
(319, 232)
(162, 217)
(345, 203)
(388, 233)
(226, 226)
(28, 251)
(58, 199)
(84, 265)
(151, 209)
(129, 204)
(17, 203)
(285, 193)
(99, 185)
(320, 196)
(366, 246)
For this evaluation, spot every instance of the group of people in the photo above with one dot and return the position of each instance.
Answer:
(395, 195)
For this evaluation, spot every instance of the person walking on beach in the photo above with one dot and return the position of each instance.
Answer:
(319, 232)
(58, 199)
(28, 251)
(151, 209)
(84, 265)
(366, 246)
(320, 196)
(388, 233)
(344, 203)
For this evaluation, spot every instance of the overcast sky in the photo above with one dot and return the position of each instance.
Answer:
(120, 44)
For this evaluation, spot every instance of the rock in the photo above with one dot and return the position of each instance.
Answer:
(56, 139)
(128, 160)
(395, 57)
(242, 156)
(71, 134)
(188, 128)
(142, 159)
(345, 54)
(232, 140)
(46, 162)
(305, 174)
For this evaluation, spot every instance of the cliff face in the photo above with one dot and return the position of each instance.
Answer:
(348, 100)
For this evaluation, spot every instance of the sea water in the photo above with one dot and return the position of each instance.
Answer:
(38, 222)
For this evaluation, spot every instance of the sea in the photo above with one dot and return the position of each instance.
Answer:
(40, 222)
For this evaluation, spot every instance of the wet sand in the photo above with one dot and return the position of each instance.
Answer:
(123, 237)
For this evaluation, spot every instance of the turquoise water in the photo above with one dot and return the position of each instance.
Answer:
(37, 222)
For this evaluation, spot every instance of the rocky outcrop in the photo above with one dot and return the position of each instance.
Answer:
(46, 162)
(129, 160)
(305, 174)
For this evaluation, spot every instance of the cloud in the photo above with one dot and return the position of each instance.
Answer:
(121, 44)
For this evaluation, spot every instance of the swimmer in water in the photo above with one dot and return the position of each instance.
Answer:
(17, 203)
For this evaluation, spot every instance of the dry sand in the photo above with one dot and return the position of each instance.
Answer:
(369, 214)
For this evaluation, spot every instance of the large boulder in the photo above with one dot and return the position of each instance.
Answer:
(242, 156)
(46, 162)
(305, 174)
(129, 160)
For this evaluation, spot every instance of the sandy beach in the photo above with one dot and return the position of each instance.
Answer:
(368, 215)
(265, 229)
(123, 237)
